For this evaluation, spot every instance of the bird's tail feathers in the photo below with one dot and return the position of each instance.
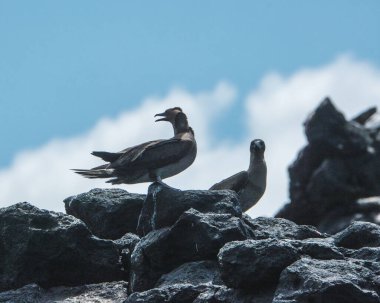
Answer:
(95, 173)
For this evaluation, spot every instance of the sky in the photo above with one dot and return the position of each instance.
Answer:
(77, 76)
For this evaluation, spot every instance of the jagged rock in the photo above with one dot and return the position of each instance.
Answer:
(263, 228)
(255, 264)
(365, 253)
(184, 293)
(195, 236)
(108, 292)
(338, 281)
(323, 249)
(49, 248)
(328, 128)
(126, 245)
(164, 205)
(358, 235)
(229, 295)
(108, 213)
(194, 273)
(338, 167)
(366, 210)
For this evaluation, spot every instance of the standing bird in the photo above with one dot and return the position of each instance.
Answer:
(150, 161)
(250, 185)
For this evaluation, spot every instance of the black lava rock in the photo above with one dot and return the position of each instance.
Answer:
(255, 264)
(115, 292)
(264, 228)
(195, 236)
(358, 235)
(49, 248)
(338, 281)
(366, 210)
(108, 213)
(200, 272)
(338, 167)
(164, 205)
(126, 245)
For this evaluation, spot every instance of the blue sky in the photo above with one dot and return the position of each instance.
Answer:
(66, 64)
(77, 76)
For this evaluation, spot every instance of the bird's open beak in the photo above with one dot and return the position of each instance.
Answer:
(161, 115)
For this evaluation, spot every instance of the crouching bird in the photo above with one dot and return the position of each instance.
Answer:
(150, 161)
(250, 185)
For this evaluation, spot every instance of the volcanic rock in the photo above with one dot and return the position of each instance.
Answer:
(338, 281)
(358, 235)
(108, 213)
(200, 272)
(107, 292)
(195, 236)
(255, 264)
(164, 205)
(49, 248)
(265, 227)
(338, 167)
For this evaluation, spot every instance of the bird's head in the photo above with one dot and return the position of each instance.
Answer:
(176, 117)
(169, 115)
(257, 146)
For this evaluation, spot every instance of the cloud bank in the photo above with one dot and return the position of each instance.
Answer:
(274, 112)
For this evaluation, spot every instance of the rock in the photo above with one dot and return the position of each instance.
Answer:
(184, 293)
(195, 236)
(126, 245)
(108, 213)
(164, 205)
(195, 273)
(358, 235)
(323, 249)
(337, 168)
(108, 292)
(328, 128)
(255, 264)
(229, 295)
(264, 228)
(49, 248)
(366, 210)
(338, 281)
(365, 253)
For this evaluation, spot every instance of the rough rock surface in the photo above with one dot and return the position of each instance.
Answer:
(200, 272)
(195, 236)
(255, 264)
(164, 205)
(108, 292)
(338, 167)
(358, 235)
(338, 281)
(108, 213)
(264, 228)
(49, 248)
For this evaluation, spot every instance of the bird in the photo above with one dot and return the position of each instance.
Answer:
(150, 161)
(250, 184)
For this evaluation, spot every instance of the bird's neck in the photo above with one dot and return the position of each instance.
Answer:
(181, 125)
(181, 130)
(255, 161)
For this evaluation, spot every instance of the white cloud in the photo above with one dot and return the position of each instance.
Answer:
(275, 112)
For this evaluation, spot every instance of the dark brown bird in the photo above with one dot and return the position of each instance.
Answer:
(150, 161)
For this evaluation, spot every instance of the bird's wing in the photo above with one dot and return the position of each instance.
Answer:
(130, 152)
(154, 154)
(235, 182)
